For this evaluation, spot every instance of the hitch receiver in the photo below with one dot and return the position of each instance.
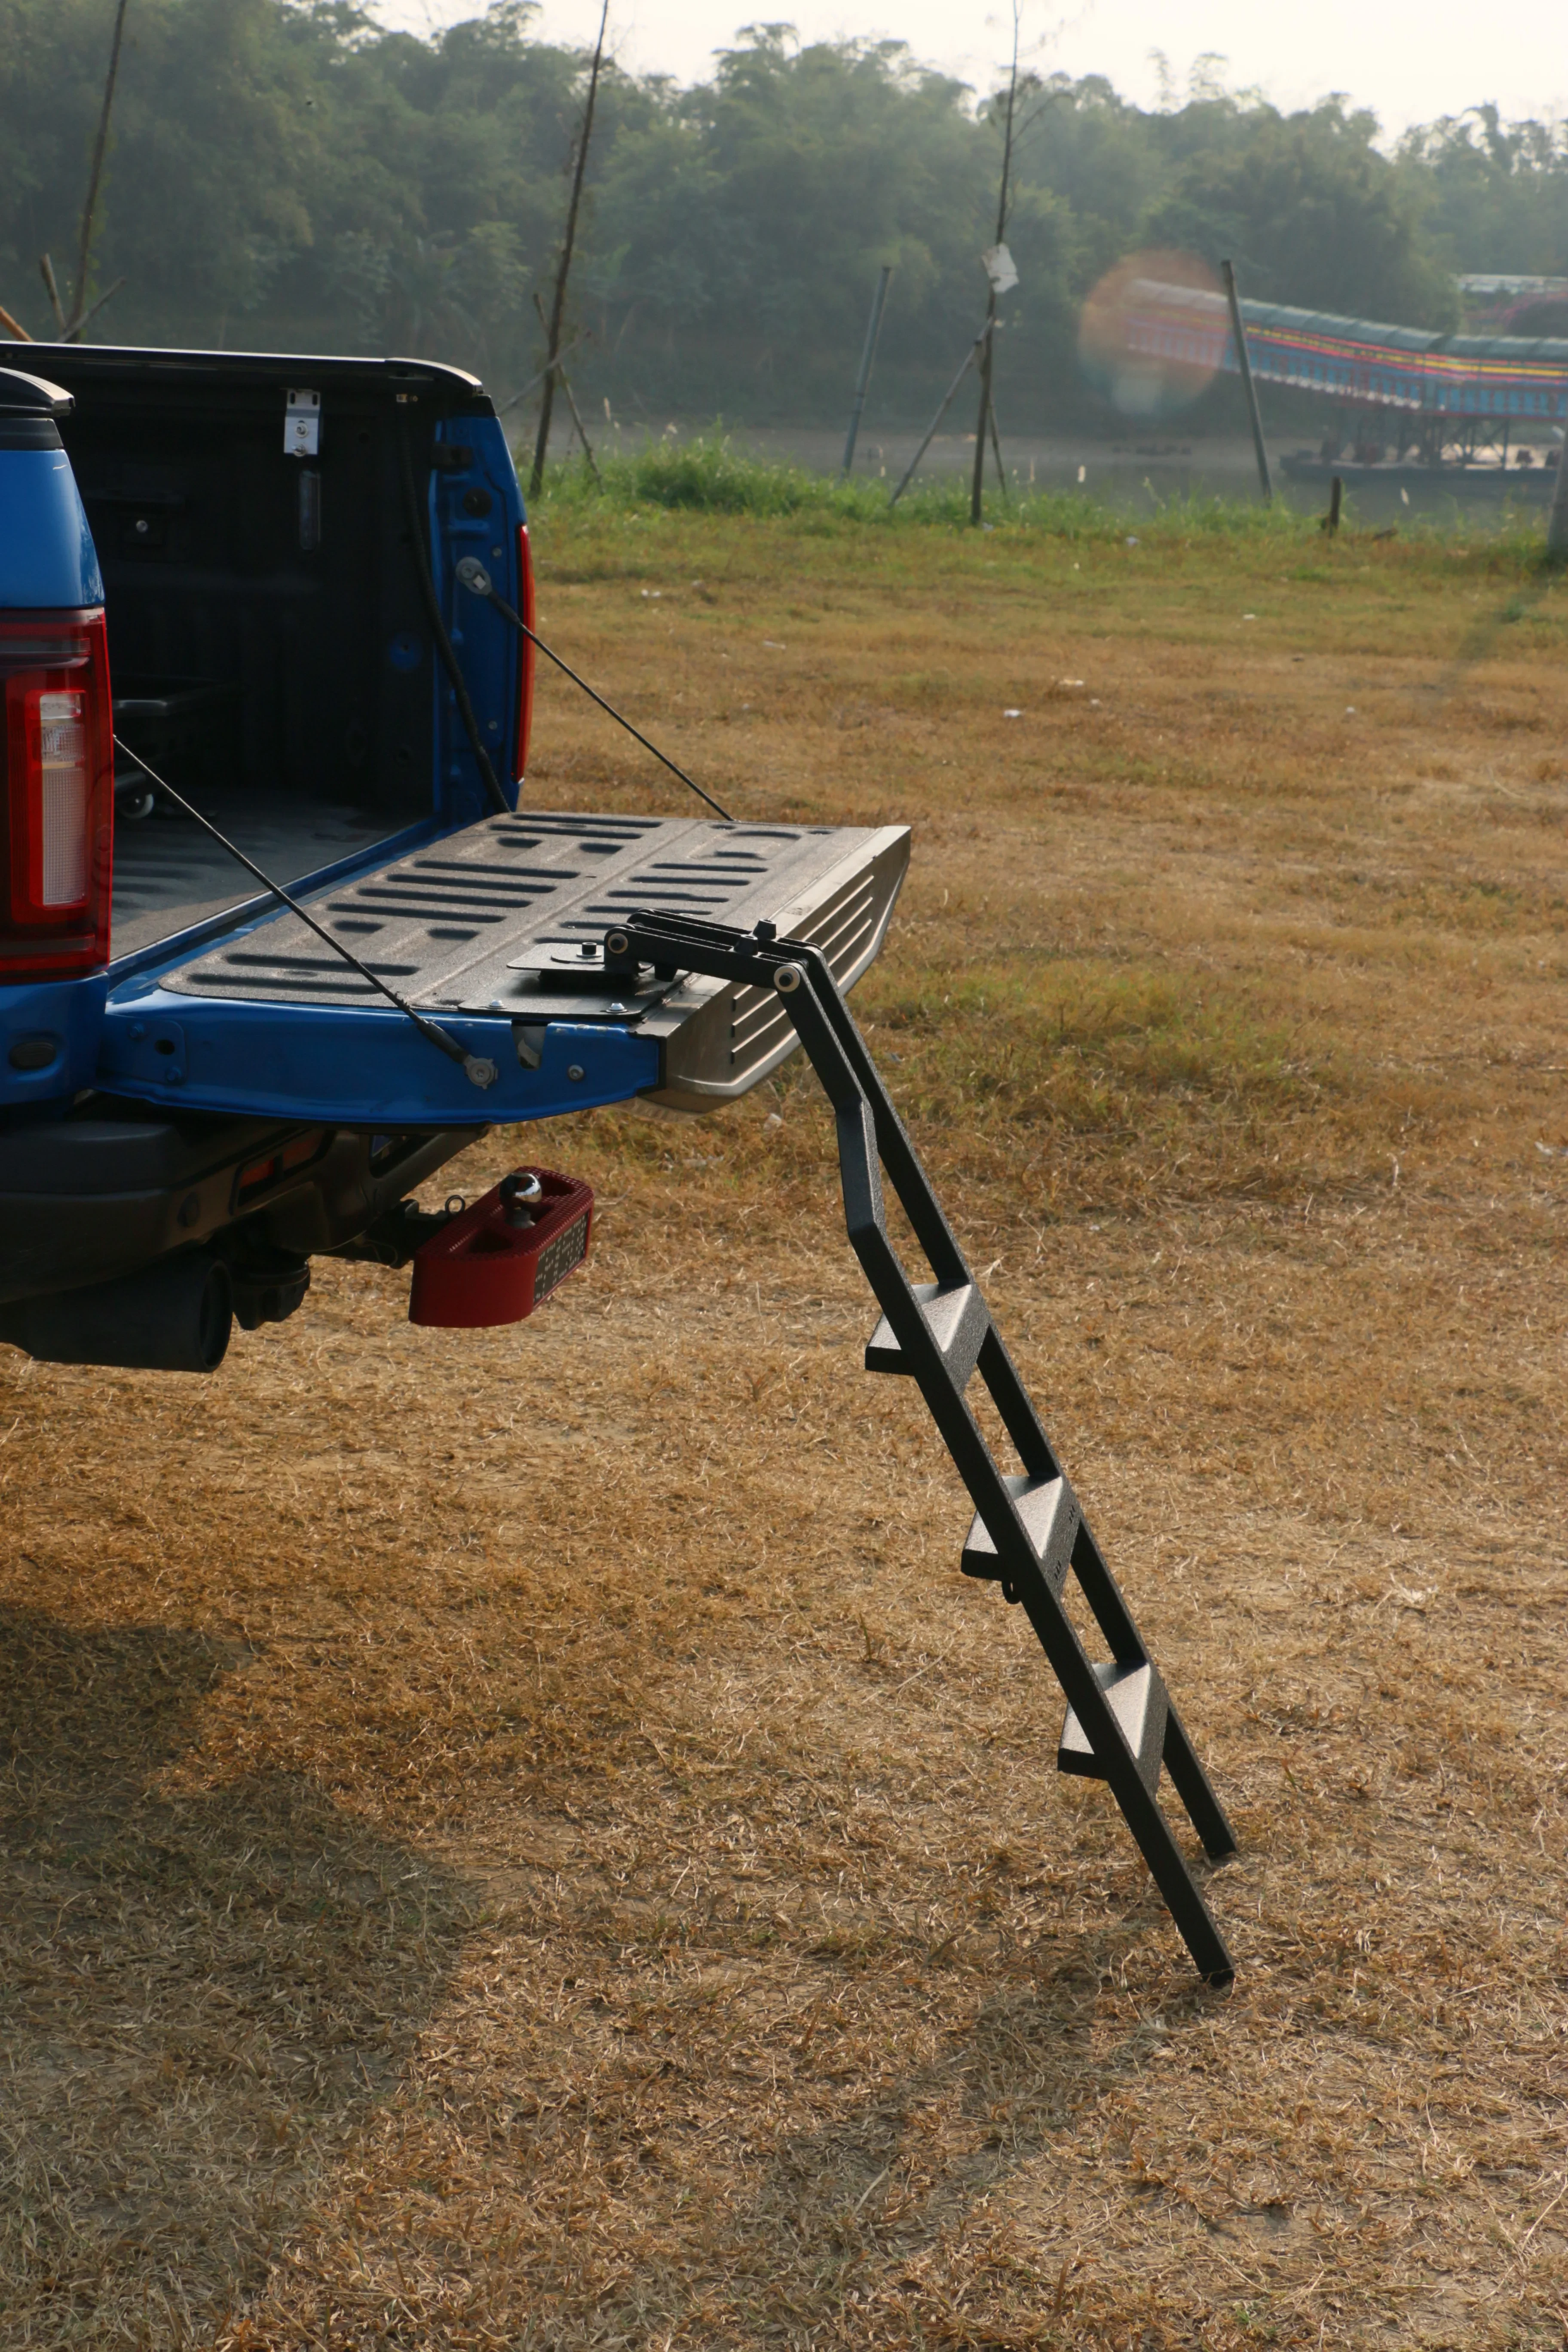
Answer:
(496, 1261)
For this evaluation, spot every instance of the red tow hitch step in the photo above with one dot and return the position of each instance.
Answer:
(495, 1262)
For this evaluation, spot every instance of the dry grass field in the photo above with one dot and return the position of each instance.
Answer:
(526, 1839)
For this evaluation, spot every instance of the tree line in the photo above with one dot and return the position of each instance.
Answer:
(286, 173)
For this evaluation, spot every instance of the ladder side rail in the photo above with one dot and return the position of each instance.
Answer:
(1195, 1789)
(1103, 1595)
(1128, 1647)
(1151, 1830)
(1106, 1601)
(913, 1186)
(900, 1158)
(866, 1224)
(815, 1010)
(713, 950)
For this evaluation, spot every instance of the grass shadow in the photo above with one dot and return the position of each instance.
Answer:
(876, 2223)
(203, 1993)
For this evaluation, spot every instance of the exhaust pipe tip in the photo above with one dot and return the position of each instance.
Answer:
(173, 1316)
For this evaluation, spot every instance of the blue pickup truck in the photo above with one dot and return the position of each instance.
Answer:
(287, 599)
(245, 571)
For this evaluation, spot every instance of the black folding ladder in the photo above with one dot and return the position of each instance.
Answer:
(1027, 1531)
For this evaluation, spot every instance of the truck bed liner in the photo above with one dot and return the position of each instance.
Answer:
(168, 875)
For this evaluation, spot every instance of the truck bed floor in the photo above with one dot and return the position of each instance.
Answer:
(168, 874)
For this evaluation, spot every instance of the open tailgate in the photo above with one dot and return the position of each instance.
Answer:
(494, 932)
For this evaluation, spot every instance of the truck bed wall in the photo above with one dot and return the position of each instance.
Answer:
(292, 579)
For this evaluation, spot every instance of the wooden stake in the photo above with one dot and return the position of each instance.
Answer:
(1331, 522)
(1557, 521)
(557, 307)
(13, 327)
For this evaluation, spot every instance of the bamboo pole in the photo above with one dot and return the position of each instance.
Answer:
(534, 381)
(565, 380)
(873, 329)
(95, 178)
(73, 333)
(948, 399)
(987, 355)
(987, 342)
(1244, 362)
(46, 272)
(558, 306)
(996, 453)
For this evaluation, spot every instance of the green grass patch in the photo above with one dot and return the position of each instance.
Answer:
(1085, 1047)
(708, 476)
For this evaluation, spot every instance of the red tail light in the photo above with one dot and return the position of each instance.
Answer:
(525, 670)
(56, 768)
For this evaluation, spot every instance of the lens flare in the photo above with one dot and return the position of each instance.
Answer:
(1136, 339)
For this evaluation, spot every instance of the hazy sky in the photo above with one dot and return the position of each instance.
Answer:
(1410, 60)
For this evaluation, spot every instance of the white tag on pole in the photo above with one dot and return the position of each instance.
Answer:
(302, 425)
(998, 264)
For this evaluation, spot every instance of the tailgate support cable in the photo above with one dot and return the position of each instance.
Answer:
(480, 1071)
(1029, 1532)
(472, 576)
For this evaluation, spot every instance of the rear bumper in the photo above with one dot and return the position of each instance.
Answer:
(104, 1193)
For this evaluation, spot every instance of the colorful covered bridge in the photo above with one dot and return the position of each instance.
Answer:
(1453, 380)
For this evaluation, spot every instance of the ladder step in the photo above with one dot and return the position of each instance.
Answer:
(957, 1319)
(1137, 1698)
(1048, 1508)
